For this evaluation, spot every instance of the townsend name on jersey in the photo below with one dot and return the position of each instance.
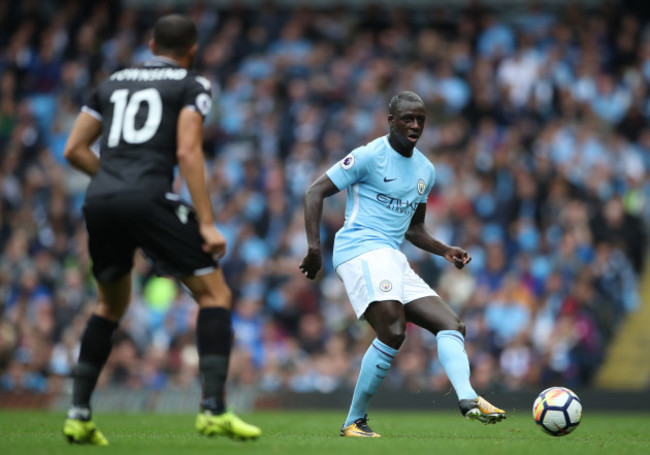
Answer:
(149, 74)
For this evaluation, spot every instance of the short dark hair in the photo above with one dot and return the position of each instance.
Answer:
(406, 95)
(174, 34)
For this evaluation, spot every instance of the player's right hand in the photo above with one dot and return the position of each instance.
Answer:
(311, 264)
(214, 241)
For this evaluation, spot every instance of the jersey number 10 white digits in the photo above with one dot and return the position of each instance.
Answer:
(124, 113)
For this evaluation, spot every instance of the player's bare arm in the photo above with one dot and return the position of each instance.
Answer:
(191, 164)
(323, 187)
(85, 132)
(419, 236)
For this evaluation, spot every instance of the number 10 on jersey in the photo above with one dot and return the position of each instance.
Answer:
(125, 110)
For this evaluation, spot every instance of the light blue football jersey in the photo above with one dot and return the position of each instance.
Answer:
(384, 190)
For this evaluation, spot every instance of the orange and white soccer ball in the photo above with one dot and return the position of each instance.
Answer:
(557, 411)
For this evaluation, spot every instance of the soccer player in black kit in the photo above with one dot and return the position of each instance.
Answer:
(150, 119)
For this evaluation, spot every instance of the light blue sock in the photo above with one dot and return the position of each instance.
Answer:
(452, 356)
(374, 367)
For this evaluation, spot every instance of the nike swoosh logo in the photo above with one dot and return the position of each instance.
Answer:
(381, 368)
(386, 179)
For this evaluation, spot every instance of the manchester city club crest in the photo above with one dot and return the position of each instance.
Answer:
(385, 285)
(421, 186)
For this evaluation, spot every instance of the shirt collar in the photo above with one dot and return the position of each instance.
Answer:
(159, 59)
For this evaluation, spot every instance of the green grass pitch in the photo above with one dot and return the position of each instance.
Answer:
(315, 432)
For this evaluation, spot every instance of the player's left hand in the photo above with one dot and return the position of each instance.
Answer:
(457, 256)
(214, 241)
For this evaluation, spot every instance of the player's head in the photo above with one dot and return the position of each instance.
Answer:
(406, 116)
(401, 97)
(175, 36)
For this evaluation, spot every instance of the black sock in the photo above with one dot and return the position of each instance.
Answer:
(96, 343)
(214, 341)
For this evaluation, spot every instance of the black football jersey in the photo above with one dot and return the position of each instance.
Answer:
(139, 109)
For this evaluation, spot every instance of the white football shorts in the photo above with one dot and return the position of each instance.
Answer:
(383, 274)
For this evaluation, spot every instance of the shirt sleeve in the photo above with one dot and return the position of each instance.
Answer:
(351, 169)
(198, 95)
(92, 106)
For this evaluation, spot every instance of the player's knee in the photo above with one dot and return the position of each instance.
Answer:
(215, 298)
(460, 326)
(393, 337)
(455, 324)
(397, 339)
(225, 297)
(109, 312)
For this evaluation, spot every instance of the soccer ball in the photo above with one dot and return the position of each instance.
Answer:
(557, 411)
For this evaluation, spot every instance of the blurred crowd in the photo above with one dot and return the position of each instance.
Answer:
(537, 124)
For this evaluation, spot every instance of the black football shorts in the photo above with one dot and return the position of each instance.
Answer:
(163, 226)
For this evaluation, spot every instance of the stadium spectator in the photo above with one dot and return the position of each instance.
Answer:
(553, 175)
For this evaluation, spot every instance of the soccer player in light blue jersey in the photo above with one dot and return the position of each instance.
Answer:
(388, 181)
